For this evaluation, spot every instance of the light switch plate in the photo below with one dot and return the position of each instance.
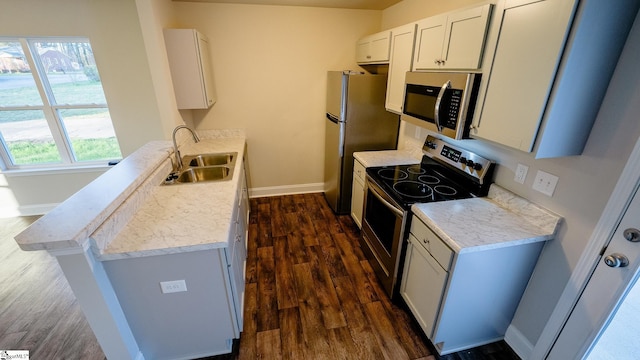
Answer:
(545, 182)
(173, 286)
(521, 174)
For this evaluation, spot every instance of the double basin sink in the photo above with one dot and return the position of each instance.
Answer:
(203, 168)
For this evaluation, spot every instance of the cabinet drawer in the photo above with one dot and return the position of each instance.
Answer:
(436, 247)
(358, 170)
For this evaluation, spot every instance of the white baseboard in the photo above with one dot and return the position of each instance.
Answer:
(28, 210)
(286, 190)
(518, 342)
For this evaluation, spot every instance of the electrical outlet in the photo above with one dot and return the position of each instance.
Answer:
(521, 173)
(545, 182)
(173, 286)
(417, 133)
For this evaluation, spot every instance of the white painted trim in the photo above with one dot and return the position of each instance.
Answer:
(66, 169)
(28, 210)
(38, 209)
(518, 342)
(618, 202)
(286, 190)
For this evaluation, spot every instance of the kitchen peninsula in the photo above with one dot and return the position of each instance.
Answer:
(148, 262)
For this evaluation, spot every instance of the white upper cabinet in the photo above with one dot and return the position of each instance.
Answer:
(373, 49)
(452, 41)
(400, 59)
(190, 65)
(549, 72)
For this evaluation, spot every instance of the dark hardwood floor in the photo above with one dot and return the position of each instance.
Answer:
(310, 294)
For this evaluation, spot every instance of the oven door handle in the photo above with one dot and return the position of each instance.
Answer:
(386, 203)
(436, 110)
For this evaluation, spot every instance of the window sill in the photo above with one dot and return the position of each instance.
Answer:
(55, 170)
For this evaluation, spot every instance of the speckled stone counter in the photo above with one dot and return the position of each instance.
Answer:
(386, 158)
(126, 212)
(477, 224)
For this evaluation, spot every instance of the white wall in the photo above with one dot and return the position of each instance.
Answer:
(113, 28)
(585, 184)
(270, 65)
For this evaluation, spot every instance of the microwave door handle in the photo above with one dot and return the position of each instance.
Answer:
(436, 114)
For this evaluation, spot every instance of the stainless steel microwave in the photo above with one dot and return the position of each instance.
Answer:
(442, 102)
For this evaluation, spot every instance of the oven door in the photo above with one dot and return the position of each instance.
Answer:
(383, 228)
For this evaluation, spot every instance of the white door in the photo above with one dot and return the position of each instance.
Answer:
(604, 295)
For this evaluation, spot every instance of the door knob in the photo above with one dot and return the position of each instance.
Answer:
(632, 234)
(616, 260)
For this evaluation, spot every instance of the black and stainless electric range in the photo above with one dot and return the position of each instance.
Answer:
(446, 172)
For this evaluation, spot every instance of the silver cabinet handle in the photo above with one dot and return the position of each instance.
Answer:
(436, 110)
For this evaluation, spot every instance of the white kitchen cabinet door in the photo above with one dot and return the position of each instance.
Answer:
(400, 59)
(464, 38)
(423, 283)
(190, 66)
(429, 38)
(373, 49)
(527, 54)
(357, 193)
(551, 63)
(452, 41)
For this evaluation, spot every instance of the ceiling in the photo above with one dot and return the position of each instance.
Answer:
(344, 4)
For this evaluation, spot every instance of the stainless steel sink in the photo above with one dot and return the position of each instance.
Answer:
(209, 159)
(203, 168)
(210, 173)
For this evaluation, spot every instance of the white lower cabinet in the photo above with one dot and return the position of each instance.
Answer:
(474, 302)
(357, 192)
(422, 285)
(204, 319)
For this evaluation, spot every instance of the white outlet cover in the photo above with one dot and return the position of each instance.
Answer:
(173, 286)
(545, 183)
(521, 174)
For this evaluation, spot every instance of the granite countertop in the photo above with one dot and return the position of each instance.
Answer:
(386, 158)
(477, 224)
(126, 212)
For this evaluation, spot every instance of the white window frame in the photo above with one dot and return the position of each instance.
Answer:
(50, 111)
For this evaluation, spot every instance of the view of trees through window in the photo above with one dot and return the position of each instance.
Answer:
(52, 106)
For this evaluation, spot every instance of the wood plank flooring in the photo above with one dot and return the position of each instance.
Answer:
(310, 294)
(38, 311)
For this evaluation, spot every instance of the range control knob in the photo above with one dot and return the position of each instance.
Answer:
(431, 144)
(463, 160)
(470, 163)
(477, 166)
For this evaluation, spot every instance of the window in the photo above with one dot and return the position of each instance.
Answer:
(53, 112)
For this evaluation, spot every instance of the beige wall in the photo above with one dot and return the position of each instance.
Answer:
(270, 65)
(114, 31)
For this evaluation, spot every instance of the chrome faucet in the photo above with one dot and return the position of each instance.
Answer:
(175, 146)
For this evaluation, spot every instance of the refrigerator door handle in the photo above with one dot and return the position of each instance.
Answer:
(333, 118)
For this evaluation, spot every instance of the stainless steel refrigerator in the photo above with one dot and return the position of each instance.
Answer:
(356, 121)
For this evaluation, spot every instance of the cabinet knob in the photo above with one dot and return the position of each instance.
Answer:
(616, 260)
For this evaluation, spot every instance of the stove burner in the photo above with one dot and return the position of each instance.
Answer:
(445, 190)
(413, 189)
(416, 169)
(429, 179)
(392, 174)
